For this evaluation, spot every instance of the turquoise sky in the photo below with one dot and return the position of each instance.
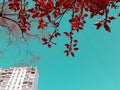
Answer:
(96, 65)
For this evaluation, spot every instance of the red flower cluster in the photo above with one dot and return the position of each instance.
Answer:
(51, 12)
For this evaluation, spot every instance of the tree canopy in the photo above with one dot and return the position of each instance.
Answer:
(20, 14)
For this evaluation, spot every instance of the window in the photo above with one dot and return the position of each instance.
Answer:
(9, 72)
(32, 72)
(18, 87)
(1, 80)
(30, 83)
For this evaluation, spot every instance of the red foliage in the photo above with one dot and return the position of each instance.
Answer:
(50, 12)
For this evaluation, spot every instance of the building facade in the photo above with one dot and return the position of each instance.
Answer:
(19, 78)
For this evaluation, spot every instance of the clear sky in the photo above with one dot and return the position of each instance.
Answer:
(96, 65)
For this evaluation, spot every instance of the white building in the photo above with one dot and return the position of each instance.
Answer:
(19, 78)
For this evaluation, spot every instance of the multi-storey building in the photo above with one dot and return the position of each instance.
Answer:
(19, 78)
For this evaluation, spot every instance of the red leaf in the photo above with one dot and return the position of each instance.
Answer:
(23, 30)
(67, 52)
(91, 15)
(75, 41)
(32, 10)
(66, 33)
(54, 43)
(76, 49)
(58, 34)
(98, 25)
(72, 53)
(42, 24)
(67, 45)
(85, 15)
(108, 20)
(111, 17)
(49, 45)
(45, 43)
(57, 12)
(107, 28)
(51, 37)
(119, 14)
(74, 45)
(44, 39)
(71, 33)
